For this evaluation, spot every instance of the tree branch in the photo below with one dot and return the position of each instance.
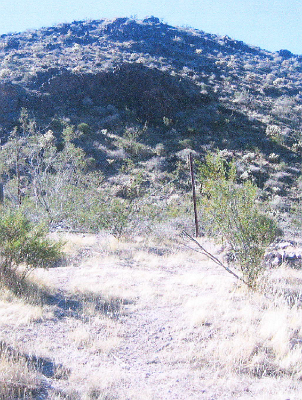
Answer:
(211, 257)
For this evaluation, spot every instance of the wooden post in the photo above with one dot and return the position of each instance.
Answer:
(193, 194)
(1, 193)
(18, 178)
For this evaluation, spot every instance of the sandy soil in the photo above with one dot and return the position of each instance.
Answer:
(119, 326)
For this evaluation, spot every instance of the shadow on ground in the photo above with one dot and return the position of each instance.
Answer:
(69, 305)
(65, 304)
(44, 367)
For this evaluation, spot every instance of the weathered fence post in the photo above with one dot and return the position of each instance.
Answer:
(1, 193)
(193, 194)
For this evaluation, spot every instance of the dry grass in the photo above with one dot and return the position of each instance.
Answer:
(16, 312)
(18, 380)
(107, 337)
(248, 332)
(144, 317)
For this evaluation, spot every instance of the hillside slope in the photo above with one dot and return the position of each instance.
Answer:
(263, 86)
(178, 89)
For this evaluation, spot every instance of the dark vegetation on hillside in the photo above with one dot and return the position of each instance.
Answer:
(134, 97)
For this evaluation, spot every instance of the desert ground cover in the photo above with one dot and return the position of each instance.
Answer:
(150, 319)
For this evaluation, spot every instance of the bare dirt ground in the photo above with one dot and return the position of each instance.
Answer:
(126, 321)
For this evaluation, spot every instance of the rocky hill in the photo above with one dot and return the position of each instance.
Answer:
(95, 63)
(182, 89)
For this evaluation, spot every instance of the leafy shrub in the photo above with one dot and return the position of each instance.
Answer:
(296, 210)
(130, 143)
(84, 128)
(230, 211)
(186, 143)
(23, 247)
(117, 217)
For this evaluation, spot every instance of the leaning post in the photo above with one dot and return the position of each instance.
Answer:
(193, 194)
(1, 193)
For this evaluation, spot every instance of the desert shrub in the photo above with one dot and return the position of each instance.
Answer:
(160, 149)
(51, 184)
(84, 128)
(242, 97)
(296, 209)
(135, 186)
(130, 143)
(186, 143)
(23, 247)
(117, 217)
(230, 211)
(59, 186)
(283, 107)
(69, 133)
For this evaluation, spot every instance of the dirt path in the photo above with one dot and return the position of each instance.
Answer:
(134, 338)
(151, 361)
(149, 354)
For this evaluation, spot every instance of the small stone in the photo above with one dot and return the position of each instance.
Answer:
(283, 245)
(278, 203)
(274, 158)
(249, 157)
(255, 170)
(244, 176)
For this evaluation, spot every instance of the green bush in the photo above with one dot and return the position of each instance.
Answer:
(296, 209)
(23, 247)
(84, 128)
(130, 143)
(230, 211)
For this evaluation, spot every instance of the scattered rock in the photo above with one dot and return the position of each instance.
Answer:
(259, 174)
(275, 187)
(244, 176)
(249, 157)
(284, 177)
(284, 252)
(274, 158)
(280, 204)
(293, 171)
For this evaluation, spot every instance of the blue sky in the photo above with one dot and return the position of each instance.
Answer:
(269, 24)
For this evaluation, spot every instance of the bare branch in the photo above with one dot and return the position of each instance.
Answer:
(202, 250)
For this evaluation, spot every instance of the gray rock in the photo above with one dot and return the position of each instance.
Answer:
(281, 204)
(249, 157)
(254, 170)
(244, 176)
(294, 171)
(275, 187)
(283, 177)
(259, 174)
(284, 252)
(275, 259)
(274, 158)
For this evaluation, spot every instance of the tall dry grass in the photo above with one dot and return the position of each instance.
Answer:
(247, 332)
